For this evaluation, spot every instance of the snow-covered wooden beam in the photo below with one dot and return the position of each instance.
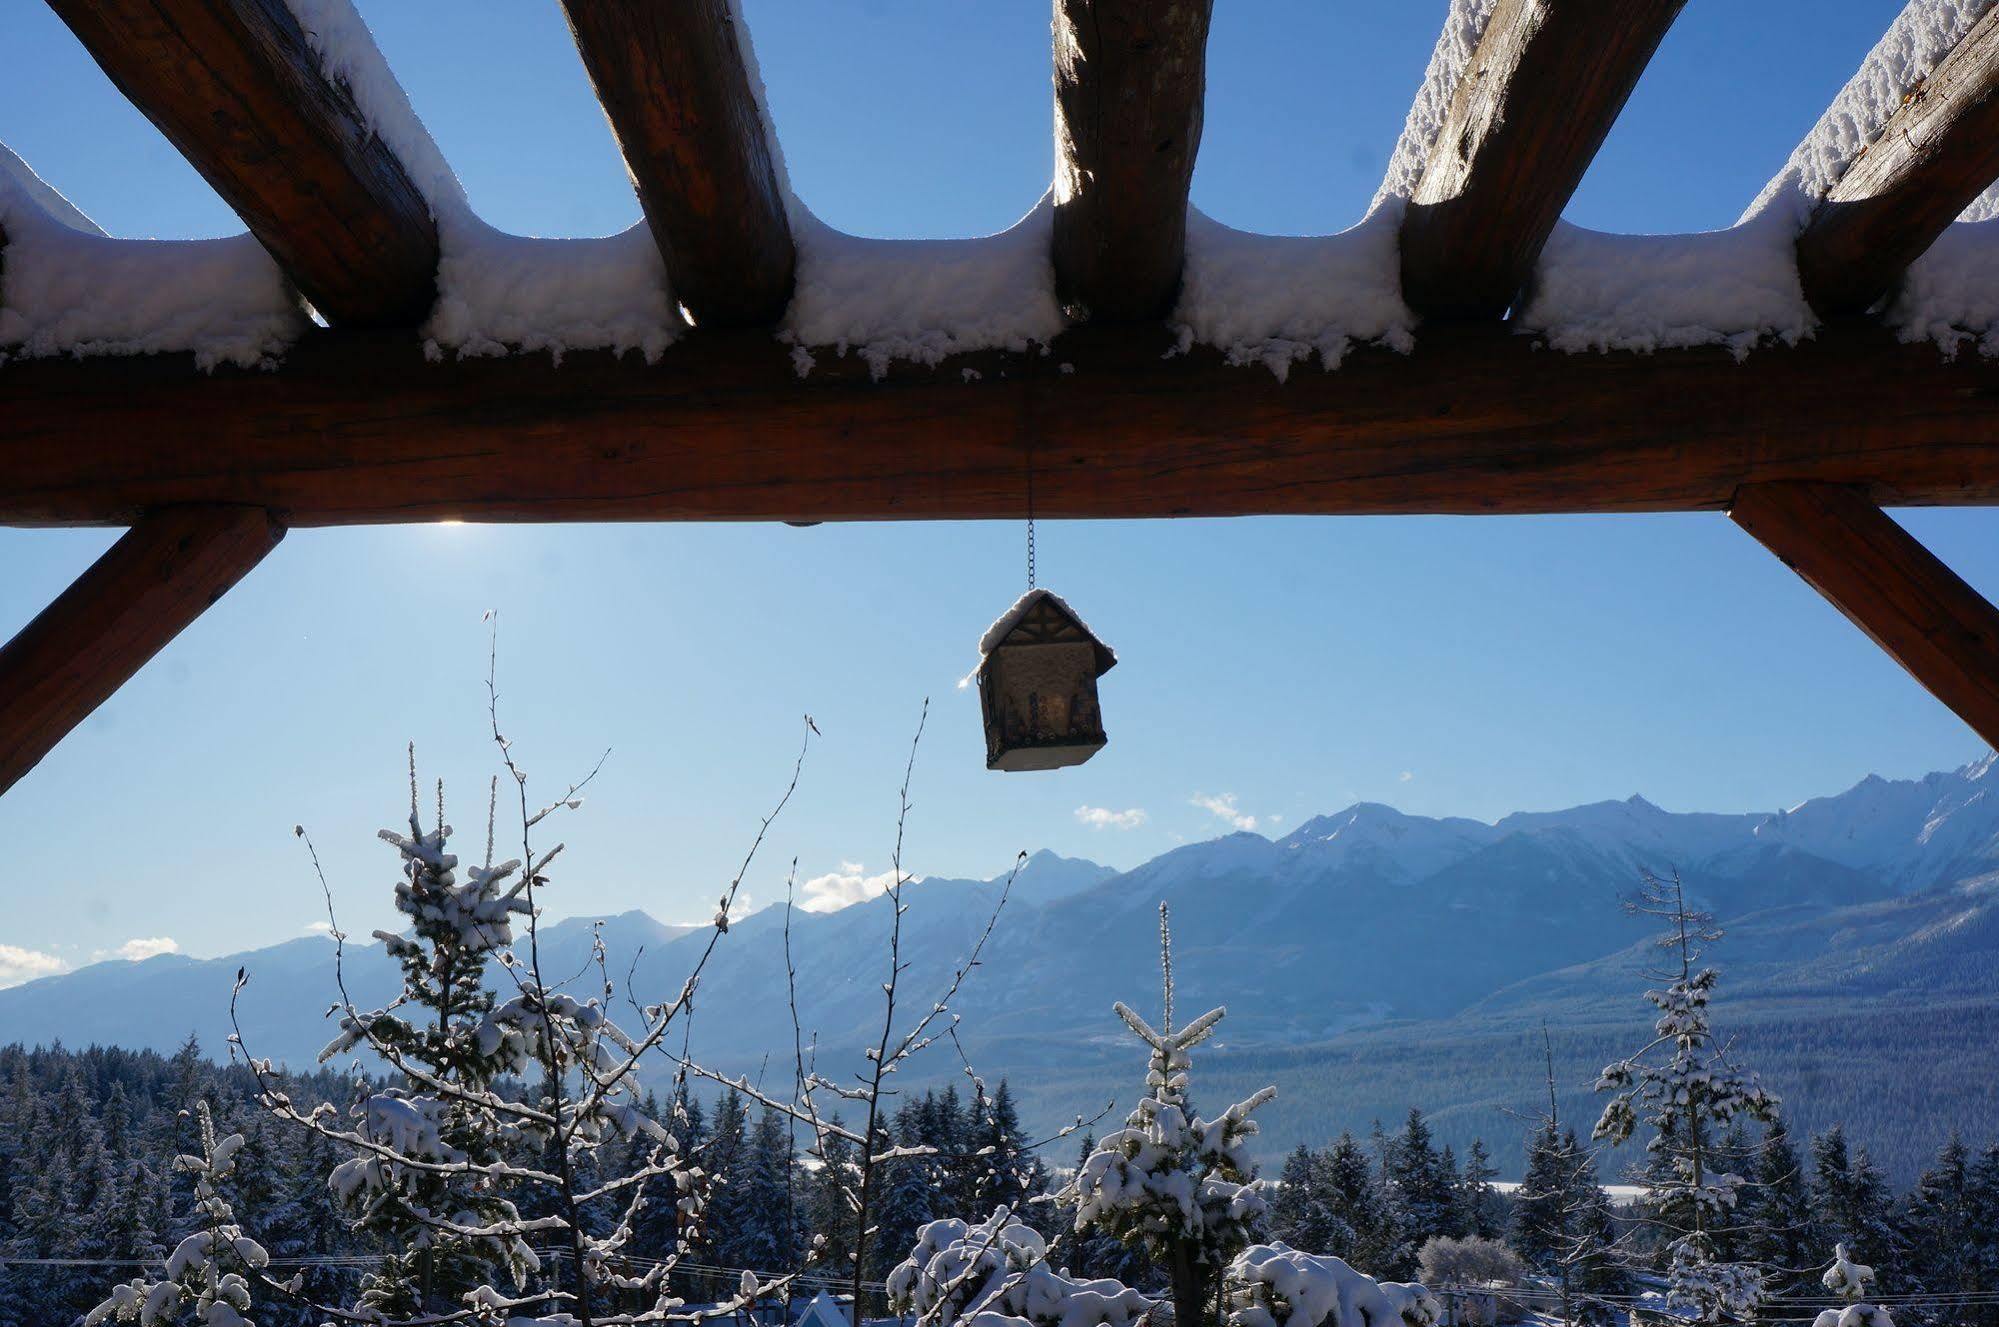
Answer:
(1530, 111)
(1891, 587)
(235, 85)
(675, 86)
(1130, 83)
(160, 576)
(361, 428)
(1937, 152)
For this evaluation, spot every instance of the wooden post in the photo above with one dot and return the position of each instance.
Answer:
(1936, 153)
(676, 89)
(160, 576)
(237, 87)
(1891, 587)
(1130, 82)
(1533, 106)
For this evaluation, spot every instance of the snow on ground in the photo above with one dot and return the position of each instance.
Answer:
(69, 289)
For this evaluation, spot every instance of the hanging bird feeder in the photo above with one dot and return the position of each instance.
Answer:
(1038, 671)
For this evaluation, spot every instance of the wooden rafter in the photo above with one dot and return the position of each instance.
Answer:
(1130, 83)
(675, 87)
(359, 427)
(161, 575)
(1891, 587)
(1935, 154)
(234, 85)
(1530, 111)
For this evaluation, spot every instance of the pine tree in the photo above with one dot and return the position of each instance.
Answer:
(1778, 1215)
(1425, 1185)
(1169, 1182)
(829, 1213)
(1938, 1227)
(1477, 1197)
(1362, 1231)
(1300, 1215)
(907, 1192)
(725, 1157)
(440, 1037)
(1690, 1099)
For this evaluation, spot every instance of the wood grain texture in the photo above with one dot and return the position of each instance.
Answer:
(1533, 106)
(161, 575)
(1891, 587)
(360, 428)
(674, 85)
(1130, 83)
(235, 85)
(1935, 154)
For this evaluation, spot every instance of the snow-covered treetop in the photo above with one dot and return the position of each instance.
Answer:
(1851, 1281)
(996, 1274)
(1274, 1285)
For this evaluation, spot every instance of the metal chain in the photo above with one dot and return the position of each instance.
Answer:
(1030, 519)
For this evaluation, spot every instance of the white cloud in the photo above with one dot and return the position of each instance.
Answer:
(845, 887)
(321, 927)
(147, 947)
(1102, 817)
(1406, 775)
(1275, 817)
(18, 965)
(1224, 806)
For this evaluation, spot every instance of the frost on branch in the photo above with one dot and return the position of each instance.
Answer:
(1169, 1182)
(1274, 1285)
(1851, 1281)
(208, 1276)
(996, 1274)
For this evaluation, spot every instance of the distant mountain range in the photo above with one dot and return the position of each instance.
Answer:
(1371, 960)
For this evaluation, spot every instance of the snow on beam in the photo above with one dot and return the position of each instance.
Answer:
(360, 428)
(1130, 81)
(1528, 114)
(676, 86)
(1891, 587)
(237, 88)
(1936, 154)
(160, 576)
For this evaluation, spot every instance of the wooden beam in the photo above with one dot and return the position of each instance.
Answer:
(1891, 587)
(675, 87)
(1936, 154)
(235, 85)
(1130, 80)
(1533, 106)
(360, 428)
(160, 576)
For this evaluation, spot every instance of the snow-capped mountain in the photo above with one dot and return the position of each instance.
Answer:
(1354, 925)
(1916, 833)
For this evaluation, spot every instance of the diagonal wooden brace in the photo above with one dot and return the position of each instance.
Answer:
(160, 576)
(1891, 587)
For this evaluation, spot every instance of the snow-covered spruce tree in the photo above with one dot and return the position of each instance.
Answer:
(209, 1276)
(442, 1034)
(996, 1274)
(1170, 1182)
(1850, 1281)
(554, 1151)
(1689, 1097)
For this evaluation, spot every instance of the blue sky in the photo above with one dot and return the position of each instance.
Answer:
(1452, 665)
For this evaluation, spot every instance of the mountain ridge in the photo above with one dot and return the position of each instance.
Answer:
(1364, 927)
